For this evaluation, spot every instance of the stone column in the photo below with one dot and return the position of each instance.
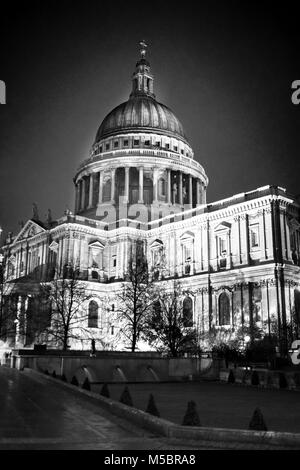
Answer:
(100, 197)
(190, 190)
(198, 201)
(229, 260)
(237, 220)
(126, 195)
(268, 233)
(141, 185)
(77, 201)
(169, 187)
(262, 235)
(82, 193)
(203, 194)
(180, 188)
(113, 184)
(26, 259)
(155, 185)
(61, 255)
(91, 188)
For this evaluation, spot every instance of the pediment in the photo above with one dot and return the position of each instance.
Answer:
(187, 236)
(157, 243)
(29, 230)
(97, 245)
(223, 226)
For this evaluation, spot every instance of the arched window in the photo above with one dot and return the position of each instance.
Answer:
(224, 309)
(93, 314)
(187, 312)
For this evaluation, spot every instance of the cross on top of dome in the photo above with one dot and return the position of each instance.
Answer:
(143, 48)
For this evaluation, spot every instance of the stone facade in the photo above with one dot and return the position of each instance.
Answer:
(239, 257)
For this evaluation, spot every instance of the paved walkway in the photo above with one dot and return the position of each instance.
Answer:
(36, 413)
(41, 414)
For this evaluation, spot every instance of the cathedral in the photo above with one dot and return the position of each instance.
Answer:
(239, 257)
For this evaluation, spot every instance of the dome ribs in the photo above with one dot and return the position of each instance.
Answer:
(141, 113)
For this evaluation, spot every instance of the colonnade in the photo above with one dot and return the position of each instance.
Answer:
(88, 185)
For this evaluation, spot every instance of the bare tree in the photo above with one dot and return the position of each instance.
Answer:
(170, 326)
(66, 296)
(8, 307)
(135, 299)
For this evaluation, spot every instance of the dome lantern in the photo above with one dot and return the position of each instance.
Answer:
(142, 79)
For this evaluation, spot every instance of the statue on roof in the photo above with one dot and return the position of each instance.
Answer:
(35, 214)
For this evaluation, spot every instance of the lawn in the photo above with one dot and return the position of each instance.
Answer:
(219, 404)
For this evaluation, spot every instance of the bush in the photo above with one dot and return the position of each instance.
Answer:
(64, 378)
(262, 350)
(231, 378)
(151, 408)
(257, 422)
(255, 378)
(297, 379)
(105, 391)
(54, 374)
(74, 381)
(282, 380)
(281, 363)
(191, 417)
(126, 397)
(86, 384)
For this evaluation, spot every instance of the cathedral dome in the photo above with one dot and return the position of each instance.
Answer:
(141, 113)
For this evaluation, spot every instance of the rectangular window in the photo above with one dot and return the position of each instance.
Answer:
(222, 246)
(167, 146)
(157, 144)
(162, 187)
(116, 144)
(100, 149)
(175, 148)
(107, 146)
(147, 142)
(182, 151)
(136, 142)
(126, 143)
(187, 253)
(254, 236)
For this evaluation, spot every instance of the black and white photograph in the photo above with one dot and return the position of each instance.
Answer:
(149, 229)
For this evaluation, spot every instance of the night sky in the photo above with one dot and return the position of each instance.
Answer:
(224, 68)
